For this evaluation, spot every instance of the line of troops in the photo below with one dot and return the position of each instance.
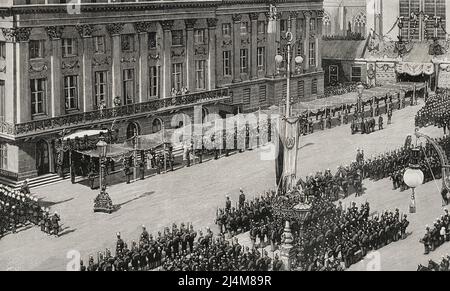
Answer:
(181, 249)
(18, 208)
(435, 112)
(438, 234)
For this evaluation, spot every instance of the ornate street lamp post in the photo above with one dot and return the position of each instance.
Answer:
(102, 202)
(289, 124)
(413, 177)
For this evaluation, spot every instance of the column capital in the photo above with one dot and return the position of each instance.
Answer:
(142, 26)
(190, 23)
(19, 34)
(253, 16)
(166, 24)
(236, 17)
(85, 30)
(320, 13)
(115, 28)
(294, 14)
(212, 22)
(54, 32)
(307, 13)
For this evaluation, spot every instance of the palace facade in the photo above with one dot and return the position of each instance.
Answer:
(89, 64)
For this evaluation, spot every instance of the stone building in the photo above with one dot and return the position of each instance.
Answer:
(69, 66)
(405, 40)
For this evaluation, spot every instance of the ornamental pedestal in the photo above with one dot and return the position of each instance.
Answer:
(103, 203)
(287, 251)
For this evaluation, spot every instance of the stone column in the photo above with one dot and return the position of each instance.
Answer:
(166, 64)
(9, 109)
(293, 24)
(236, 47)
(86, 34)
(319, 38)
(56, 99)
(190, 77)
(143, 28)
(271, 44)
(23, 98)
(254, 46)
(212, 23)
(307, 15)
(114, 30)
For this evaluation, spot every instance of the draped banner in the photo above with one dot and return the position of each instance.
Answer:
(291, 145)
(415, 69)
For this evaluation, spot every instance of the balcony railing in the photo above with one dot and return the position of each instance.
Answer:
(36, 126)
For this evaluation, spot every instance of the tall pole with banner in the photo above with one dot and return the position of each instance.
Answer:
(289, 125)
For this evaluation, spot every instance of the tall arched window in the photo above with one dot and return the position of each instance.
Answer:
(359, 24)
(326, 26)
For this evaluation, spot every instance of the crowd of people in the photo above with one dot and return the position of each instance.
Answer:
(438, 234)
(435, 112)
(18, 208)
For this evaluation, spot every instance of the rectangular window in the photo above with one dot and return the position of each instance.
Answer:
(101, 88)
(227, 63)
(226, 29)
(244, 61)
(127, 42)
(154, 81)
(333, 74)
(199, 36)
(2, 49)
(312, 24)
(300, 90)
(38, 96)
(261, 53)
(314, 86)
(284, 92)
(152, 40)
(69, 47)
(2, 100)
(356, 74)
(128, 86)
(300, 49)
(3, 156)
(36, 49)
(200, 74)
(262, 93)
(244, 27)
(261, 27)
(99, 44)
(177, 37)
(283, 25)
(246, 95)
(312, 54)
(71, 92)
(177, 76)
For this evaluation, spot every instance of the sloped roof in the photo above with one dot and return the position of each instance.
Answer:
(343, 49)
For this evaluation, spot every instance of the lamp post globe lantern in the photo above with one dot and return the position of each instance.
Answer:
(413, 177)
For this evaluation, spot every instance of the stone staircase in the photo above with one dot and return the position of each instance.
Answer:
(37, 182)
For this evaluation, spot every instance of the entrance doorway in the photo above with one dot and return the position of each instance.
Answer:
(42, 158)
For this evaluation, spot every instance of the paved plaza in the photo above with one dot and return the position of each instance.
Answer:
(191, 195)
